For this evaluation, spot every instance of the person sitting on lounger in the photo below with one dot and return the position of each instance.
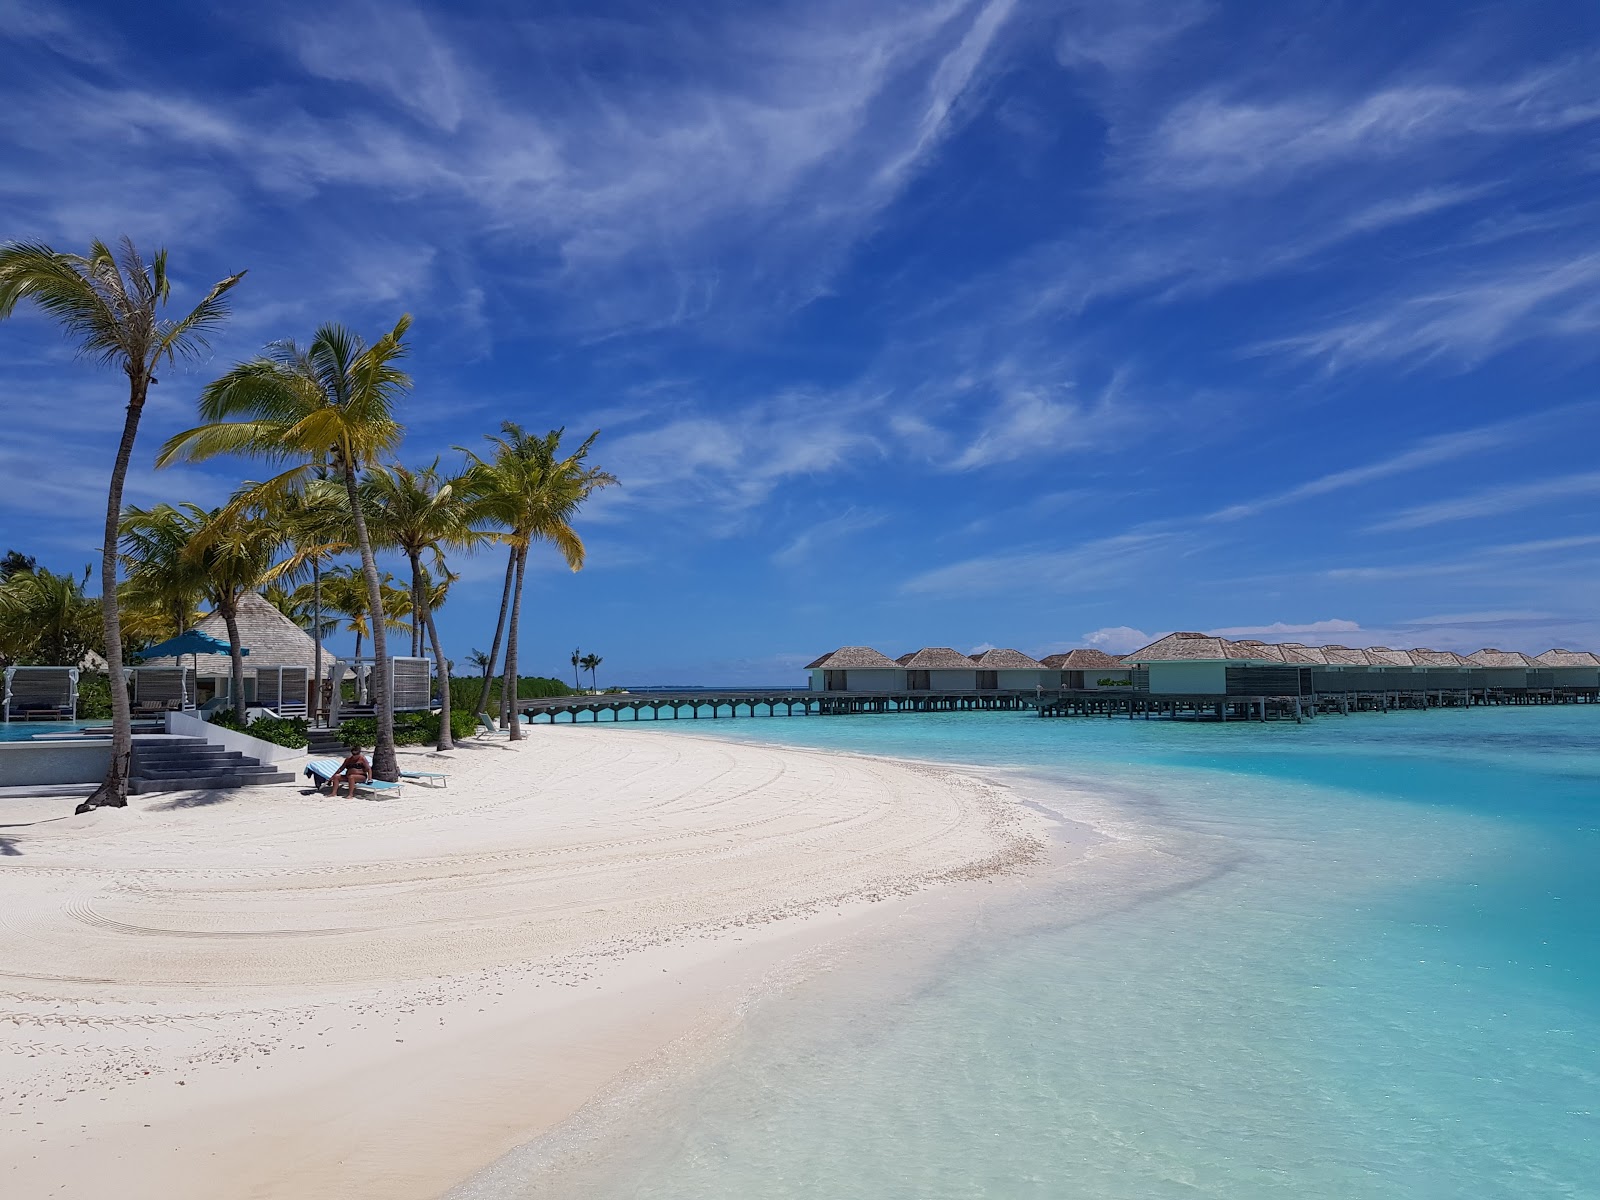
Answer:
(353, 771)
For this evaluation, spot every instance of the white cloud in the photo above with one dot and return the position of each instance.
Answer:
(1214, 141)
(1284, 629)
(1492, 502)
(804, 546)
(1466, 318)
(1082, 567)
(1120, 37)
(1119, 639)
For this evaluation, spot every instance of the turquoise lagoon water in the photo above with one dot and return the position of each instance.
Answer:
(1354, 958)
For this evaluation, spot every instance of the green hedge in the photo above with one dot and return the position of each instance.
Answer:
(280, 731)
(410, 729)
(94, 697)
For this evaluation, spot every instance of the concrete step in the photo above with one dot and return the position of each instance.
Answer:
(187, 770)
(201, 783)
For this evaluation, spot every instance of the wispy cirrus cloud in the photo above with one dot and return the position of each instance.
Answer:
(1087, 565)
(1492, 502)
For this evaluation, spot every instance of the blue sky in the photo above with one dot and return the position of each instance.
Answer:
(962, 323)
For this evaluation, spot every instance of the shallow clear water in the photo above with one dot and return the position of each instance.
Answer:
(27, 731)
(1375, 972)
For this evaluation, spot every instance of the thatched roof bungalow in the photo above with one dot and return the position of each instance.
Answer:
(1571, 668)
(1197, 664)
(856, 669)
(939, 669)
(282, 659)
(1505, 659)
(1425, 657)
(1089, 670)
(1012, 670)
(1296, 654)
(1382, 656)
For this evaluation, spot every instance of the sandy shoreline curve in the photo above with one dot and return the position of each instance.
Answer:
(272, 994)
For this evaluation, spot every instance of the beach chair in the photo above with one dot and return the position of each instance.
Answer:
(486, 728)
(431, 778)
(379, 787)
(321, 770)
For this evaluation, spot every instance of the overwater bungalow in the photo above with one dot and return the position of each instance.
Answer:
(1089, 670)
(1012, 671)
(1503, 668)
(1199, 664)
(856, 669)
(939, 669)
(1571, 668)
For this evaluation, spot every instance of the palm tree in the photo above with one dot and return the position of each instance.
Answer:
(577, 661)
(46, 620)
(344, 591)
(163, 579)
(483, 662)
(331, 403)
(110, 303)
(317, 523)
(591, 664)
(232, 551)
(424, 514)
(533, 493)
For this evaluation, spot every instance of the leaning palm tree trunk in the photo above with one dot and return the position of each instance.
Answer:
(230, 618)
(384, 764)
(508, 698)
(114, 791)
(499, 629)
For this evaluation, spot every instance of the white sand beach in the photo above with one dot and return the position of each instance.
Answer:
(270, 993)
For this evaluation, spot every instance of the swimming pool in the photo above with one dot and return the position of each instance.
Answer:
(27, 731)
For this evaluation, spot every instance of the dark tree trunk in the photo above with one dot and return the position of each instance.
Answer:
(113, 792)
(425, 613)
(508, 698)
(499, 630)
(230, 618)
(316, 635)
(384, 764)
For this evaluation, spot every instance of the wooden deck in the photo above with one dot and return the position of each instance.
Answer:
(1130, 703)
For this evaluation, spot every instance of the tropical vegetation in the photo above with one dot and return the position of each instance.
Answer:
(113, 305)
(325, 416)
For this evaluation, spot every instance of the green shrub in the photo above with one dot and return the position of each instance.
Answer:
(410, 729)
(225, 717)
(94, 697)
(280, 731)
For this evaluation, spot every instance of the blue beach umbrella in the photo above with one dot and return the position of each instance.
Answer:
(190, 642)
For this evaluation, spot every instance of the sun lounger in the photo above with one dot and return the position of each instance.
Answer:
(322, 770)
(442, 779)
(379, 787)
(487, 730)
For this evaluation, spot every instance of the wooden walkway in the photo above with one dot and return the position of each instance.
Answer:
(711, 706)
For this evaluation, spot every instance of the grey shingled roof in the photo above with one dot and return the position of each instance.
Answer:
(1567, 658)
(272, 639)
(1344, 656)
(852, 658)
(1006, 660)
(1181, 647)
(1254, 649)
(1082, 660)
(936, 658)
(1499, 658)
(1382, 656)
(1301, 655)
(1425, 657)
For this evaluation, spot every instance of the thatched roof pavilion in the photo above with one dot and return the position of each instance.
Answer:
(853, 658)
(272, 639)
(1181, 647)
(1082, 660)
(935, 658)
(1005, 660)
(1567, 658)
(1500, 658)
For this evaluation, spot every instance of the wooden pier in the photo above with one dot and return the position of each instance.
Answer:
(1129, 703)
